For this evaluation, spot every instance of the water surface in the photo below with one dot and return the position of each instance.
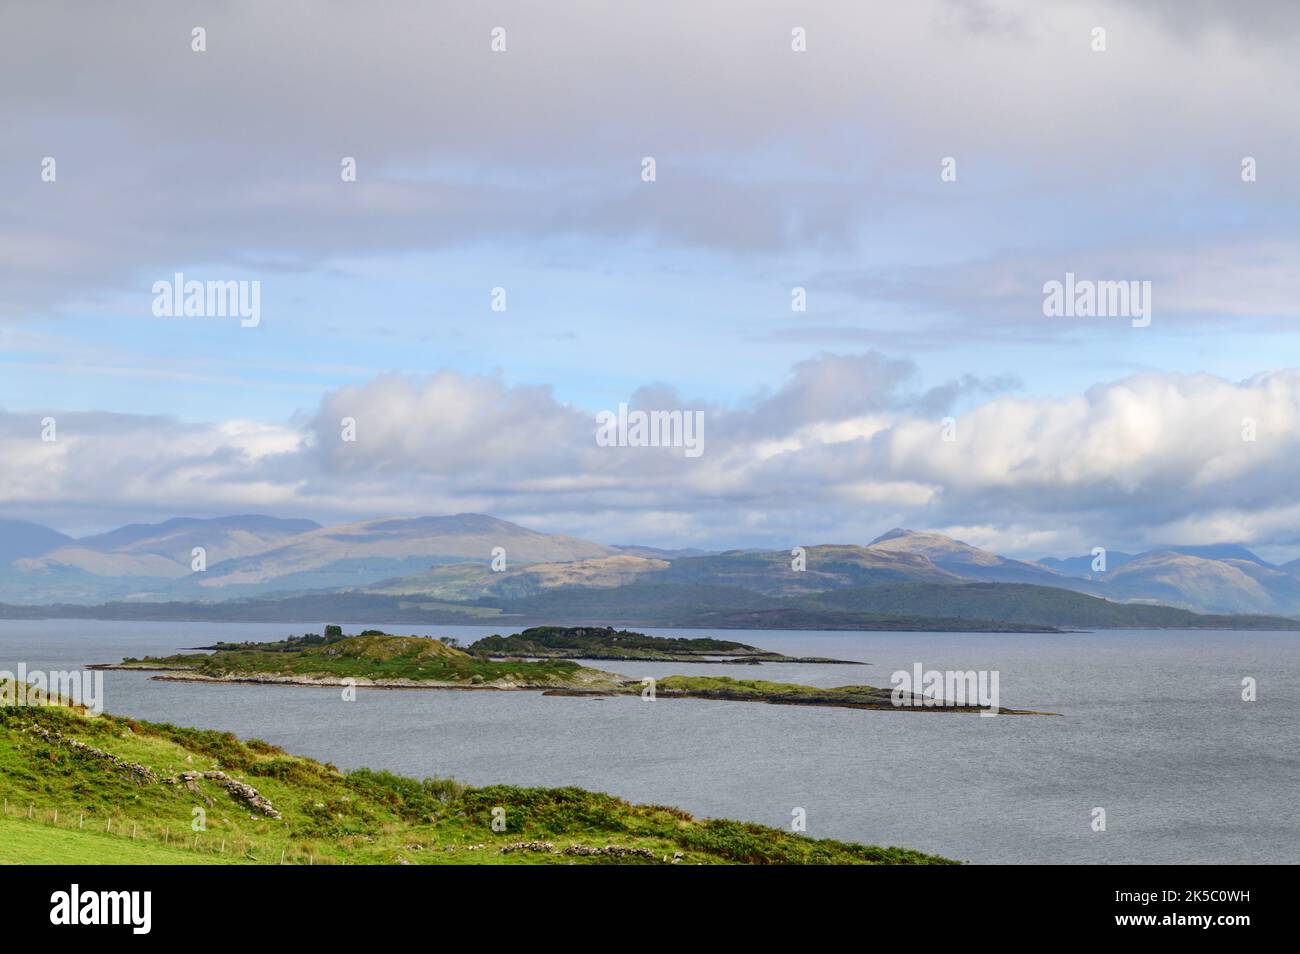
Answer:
(1153, 729)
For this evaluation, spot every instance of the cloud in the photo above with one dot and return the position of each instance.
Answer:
(846, 447)
(762, 152)
(774, 168)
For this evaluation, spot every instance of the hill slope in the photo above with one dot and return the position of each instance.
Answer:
(135, 787)
(968, 562)
(1027, 604)
(21, 540)
(374, 550)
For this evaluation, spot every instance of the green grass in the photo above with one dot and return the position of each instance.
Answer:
(24, 842)
(328, 817)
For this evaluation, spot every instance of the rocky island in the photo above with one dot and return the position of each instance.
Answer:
(377, 660)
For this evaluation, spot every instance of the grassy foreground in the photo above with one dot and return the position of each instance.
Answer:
(85, 789)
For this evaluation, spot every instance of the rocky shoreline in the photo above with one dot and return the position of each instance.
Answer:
(181, 674)
(875, 699)
(870, 698)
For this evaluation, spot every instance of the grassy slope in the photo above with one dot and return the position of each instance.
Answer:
(40, 842)
(328, 817)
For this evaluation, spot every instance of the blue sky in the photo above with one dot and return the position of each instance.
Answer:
(775, 169)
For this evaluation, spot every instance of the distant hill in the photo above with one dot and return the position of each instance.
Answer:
(373, 550)
(1223, 586)
(475, 581)
(827, 566)
(168, 536)
(1222, 551)
(255, 555)
(164, 550)
(1028, 604)
(1081, 566)
(21, 540)
(658, 553)
(965, 561)
(442, 567)
(967, 607)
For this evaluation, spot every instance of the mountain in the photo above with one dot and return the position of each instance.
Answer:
(1020, 603)
(476, 581)
(769, 572)
(1221, 551)
(659, 553)
(965, 561)
(358, 554)
(253, 555)
(1219, 586)
(21, 540)
(1218, 578)
(921, 607)
(1081, 566)
(172, 537)
(166, 549)
(443, 566)
(826, 566)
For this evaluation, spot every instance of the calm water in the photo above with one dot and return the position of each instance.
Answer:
(1154, 731)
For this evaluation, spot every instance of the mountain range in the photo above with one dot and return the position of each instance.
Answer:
(446, 564)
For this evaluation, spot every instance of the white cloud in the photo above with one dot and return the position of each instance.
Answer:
(1154, 458)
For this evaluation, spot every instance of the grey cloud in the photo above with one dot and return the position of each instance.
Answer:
(234, 158)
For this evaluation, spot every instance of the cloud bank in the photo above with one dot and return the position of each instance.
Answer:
(846, 447)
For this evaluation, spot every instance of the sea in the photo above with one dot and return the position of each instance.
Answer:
(1153, 731)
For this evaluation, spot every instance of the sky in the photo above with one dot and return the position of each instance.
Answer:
(522, 169)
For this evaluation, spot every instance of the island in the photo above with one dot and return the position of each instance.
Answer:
(380, 661)
(607, 643)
